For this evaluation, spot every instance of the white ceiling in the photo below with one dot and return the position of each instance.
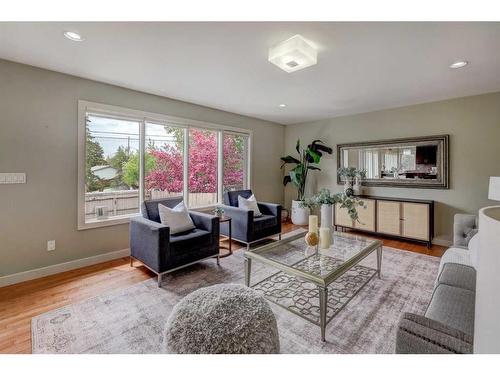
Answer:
(361, 66)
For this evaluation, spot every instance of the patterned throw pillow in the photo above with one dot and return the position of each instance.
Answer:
(471, 233)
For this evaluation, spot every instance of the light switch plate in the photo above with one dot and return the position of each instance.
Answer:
(12, 178)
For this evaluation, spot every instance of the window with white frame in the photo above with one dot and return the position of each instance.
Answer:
(163, 161)
(235, 168)
(128, 156)
(111, 167)
(203, 167)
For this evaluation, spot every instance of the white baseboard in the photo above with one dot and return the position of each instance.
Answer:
(79, 263)
(61, 267)
(442, 242)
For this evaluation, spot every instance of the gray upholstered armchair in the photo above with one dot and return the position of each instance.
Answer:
(153, 245)
(245, 227)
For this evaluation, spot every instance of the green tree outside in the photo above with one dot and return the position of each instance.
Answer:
(94, 156)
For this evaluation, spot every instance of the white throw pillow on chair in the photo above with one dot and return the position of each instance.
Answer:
(249, 204)
(176, 218)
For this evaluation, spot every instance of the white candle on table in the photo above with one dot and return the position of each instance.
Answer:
(313, 223)
(325, 237)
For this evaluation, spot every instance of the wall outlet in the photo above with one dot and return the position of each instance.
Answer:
(51, 245)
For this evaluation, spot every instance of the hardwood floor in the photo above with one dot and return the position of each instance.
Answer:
(20, 302)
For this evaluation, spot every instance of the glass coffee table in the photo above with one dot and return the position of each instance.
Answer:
(314, 283)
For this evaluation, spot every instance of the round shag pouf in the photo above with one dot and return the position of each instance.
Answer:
(225, 319)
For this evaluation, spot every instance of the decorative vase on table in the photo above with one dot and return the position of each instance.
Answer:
(327, 215)
(348, 190)
(357, 188)
(300, 215)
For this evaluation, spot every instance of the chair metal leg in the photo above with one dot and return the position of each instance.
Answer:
(248, 270)
(323, 304)
(279, 237)
(248, 246)
(131, 262)
(218, 260)
(159, 280)
(379, 261)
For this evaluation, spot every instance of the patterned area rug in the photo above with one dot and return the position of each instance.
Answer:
(131, 320)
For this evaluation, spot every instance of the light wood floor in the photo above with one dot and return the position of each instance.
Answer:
(20, 302)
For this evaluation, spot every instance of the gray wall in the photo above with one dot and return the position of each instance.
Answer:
(38, 135)
(474, 127)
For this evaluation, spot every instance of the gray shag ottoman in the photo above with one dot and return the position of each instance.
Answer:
(225, 319)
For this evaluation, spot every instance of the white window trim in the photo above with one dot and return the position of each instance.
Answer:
(136, 115)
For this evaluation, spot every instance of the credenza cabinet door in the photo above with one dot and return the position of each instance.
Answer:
(388, 217)
(342, 218)
(415, 220)
(366, 216)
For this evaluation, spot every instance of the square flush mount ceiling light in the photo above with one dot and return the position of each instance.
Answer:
(293, 54)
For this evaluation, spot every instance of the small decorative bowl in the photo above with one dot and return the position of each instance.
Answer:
(312, 238)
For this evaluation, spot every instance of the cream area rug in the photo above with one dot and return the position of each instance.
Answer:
(132, 319)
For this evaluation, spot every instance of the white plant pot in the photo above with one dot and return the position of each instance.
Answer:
(300, 215)
(357, 187)
(327, 215)
(347, 186)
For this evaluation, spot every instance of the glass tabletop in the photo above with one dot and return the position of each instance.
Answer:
(318, 265)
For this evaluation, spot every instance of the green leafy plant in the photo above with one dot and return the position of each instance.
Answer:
(348, 173)
(219, 211)
(307, 160)
(361, 173)
(326, 197)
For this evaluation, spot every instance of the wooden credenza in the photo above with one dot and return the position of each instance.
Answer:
(411, 219)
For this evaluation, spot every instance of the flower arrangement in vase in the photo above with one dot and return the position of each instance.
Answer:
(219, 211)
(352, 179)
(357, 187)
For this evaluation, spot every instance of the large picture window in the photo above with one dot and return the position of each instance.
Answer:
(128, 156)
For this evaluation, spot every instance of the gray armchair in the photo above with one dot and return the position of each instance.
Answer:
(153, 245)
(246, 227)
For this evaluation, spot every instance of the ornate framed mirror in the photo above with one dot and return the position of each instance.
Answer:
(421, 162)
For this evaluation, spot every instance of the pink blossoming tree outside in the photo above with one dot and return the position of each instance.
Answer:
(167, 172)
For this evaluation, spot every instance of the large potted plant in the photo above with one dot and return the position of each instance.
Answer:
(307, 160)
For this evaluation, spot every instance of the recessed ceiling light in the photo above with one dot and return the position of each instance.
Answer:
(75, 37)
(293, 54)
(458, 64)
(282, 105)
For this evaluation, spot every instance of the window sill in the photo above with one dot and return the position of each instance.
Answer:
(125, 219)
(98, 223)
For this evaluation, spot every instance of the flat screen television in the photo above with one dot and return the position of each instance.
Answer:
(426, 155)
